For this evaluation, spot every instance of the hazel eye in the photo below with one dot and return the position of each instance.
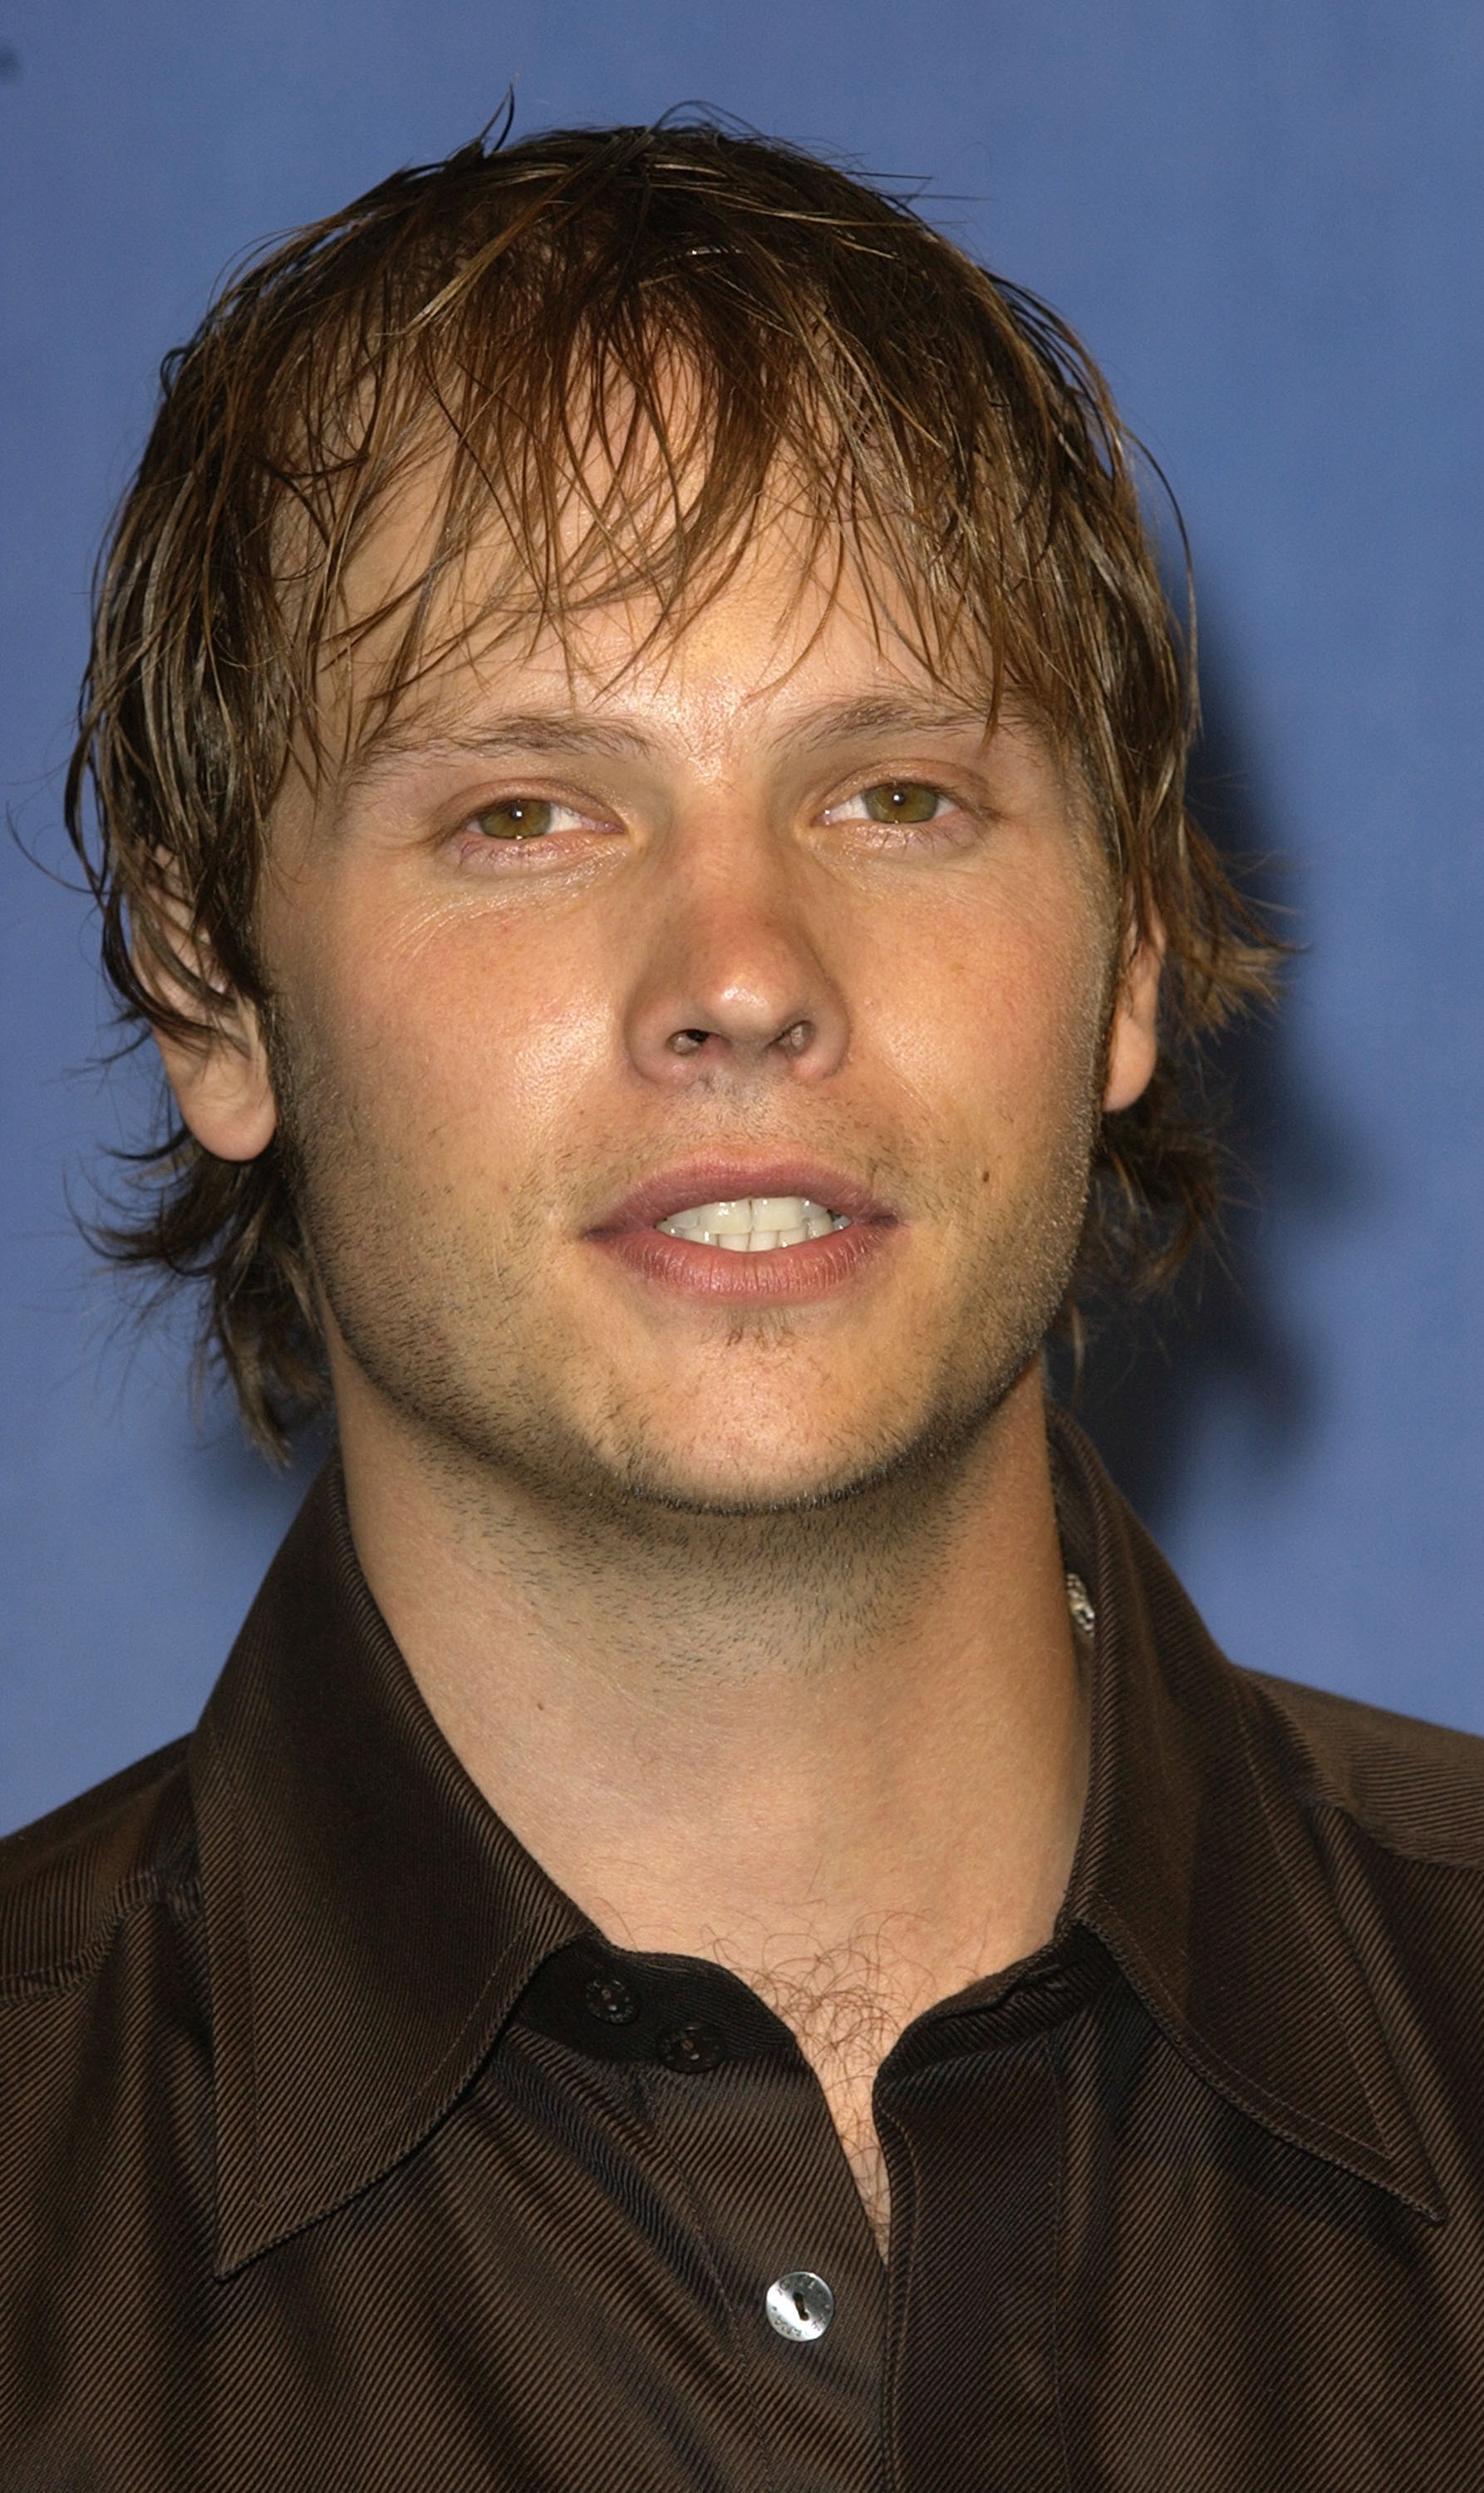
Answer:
(515, 817)
(902, 801)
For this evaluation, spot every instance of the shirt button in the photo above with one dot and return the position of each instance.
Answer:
(1084, 1617)
(691, 2047)
(799, 2305)
(611, 2000)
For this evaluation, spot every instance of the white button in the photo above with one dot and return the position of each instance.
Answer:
(1084, 1617)
(800, 2305)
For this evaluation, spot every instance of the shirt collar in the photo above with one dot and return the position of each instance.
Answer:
(1198, 1868)
(371, 1923)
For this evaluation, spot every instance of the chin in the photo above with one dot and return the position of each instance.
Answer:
(756, 1480)
(761, 1480)
(762, 1494)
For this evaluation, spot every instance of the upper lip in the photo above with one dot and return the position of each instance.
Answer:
(715, 1180)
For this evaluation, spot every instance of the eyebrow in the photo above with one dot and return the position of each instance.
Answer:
(522, 732)
(555, 731)
(882, 714)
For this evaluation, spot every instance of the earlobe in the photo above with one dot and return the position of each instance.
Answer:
(1133, 1042)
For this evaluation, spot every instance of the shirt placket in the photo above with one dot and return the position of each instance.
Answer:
(970, 2114)
(740, 2126)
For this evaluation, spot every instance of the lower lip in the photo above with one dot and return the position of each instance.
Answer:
(771, 1274)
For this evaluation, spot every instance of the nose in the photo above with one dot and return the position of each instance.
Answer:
(733, 986)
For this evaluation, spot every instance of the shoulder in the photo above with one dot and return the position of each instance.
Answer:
(1415, 1789)
(68, 1880)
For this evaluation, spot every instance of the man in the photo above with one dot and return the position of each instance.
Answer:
(724, 1925)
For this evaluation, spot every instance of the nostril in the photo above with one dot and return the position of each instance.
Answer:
(793, 1039)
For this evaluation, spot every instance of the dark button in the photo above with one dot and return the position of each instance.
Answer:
(691, 2047)
(611, 2000)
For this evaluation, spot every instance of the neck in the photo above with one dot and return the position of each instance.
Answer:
(854, 1733)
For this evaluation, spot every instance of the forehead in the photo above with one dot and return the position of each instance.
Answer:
(788, 597)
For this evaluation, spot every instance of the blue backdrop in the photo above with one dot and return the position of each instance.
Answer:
(1265, 216)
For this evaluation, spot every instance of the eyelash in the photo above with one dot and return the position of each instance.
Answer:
(955, 825)
(886, 822)
(516, 852)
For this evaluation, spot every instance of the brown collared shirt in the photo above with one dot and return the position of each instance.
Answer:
(339, 2154)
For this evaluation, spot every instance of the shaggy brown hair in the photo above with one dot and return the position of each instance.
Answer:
(512, 322)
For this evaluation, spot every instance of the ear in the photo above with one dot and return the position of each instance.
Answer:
(1133, 1042)
(218, 1073)
(223, 1087)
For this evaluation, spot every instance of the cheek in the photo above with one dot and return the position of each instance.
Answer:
(999, 1023)
(457, 1046)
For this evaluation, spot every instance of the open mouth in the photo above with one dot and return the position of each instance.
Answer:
(752, 1224)
(718, 1230)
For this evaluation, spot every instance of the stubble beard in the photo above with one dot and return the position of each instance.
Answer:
(814, 1569)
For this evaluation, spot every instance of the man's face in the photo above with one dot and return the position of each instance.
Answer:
(601, 939)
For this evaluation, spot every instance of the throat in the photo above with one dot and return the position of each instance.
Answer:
(704, 1600)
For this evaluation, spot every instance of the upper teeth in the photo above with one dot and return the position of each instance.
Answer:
(755, 1222)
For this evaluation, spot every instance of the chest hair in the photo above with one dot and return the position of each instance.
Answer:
(847, 2005)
